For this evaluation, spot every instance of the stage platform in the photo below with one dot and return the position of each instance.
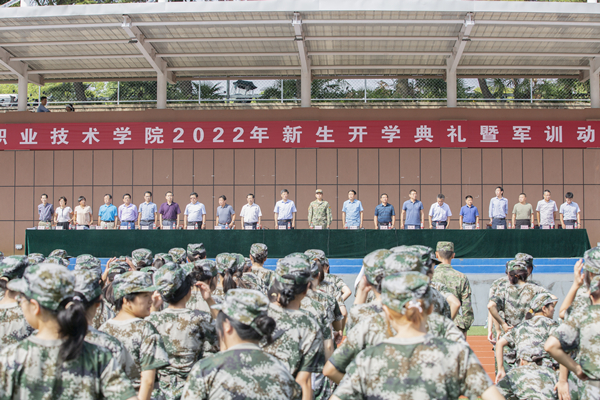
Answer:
(485, 243)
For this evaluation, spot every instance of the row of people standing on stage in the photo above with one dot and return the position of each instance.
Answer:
(150, 216)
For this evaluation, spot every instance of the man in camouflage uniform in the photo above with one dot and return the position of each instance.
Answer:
(178, 254)
(244, 370)
(417, 366)
(258, 255)
(13, 326)
(456, 282)
(31, 368)
(186, 333)
(195, 251)
(319, 212)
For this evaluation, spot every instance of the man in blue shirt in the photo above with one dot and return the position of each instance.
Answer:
(42, 106)
(570, 214)
(469, 215)
(439, 214)
(107, 213)
(285, 211)
(414, 212)
(352, 212)
(46, 211)
(384, 213)
(498, 209)
(148, 212)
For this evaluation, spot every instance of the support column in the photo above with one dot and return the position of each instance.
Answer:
(595, 88)
(22, 92)
(450, 88)
(161, 91)
(305, 89)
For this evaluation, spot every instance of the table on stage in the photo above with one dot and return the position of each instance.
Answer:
(336, 243)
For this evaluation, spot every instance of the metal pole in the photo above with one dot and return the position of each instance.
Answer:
(118, 92)
(22, 98)
(595, 89)
(39, 94)
(305, 89)
(282, 91)
(227, 90)
(451, 88)
(199, 91)
(365, 90)
(161, 91)
(530, 91)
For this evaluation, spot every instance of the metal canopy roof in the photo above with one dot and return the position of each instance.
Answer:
(329, 39)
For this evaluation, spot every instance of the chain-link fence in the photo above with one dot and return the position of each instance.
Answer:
(516, 91)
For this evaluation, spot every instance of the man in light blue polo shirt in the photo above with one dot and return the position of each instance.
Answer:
(148, 212)
(498, 209)
(107, 213)
(414, 212)
(195, 213)
(469, 215)
(570, 214)
(285, 211)
(352, 212)
(439, 214)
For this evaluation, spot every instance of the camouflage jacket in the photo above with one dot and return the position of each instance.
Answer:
(143, 342)
(119, 352)
(297, 340)
(186, 334)
(29, 370)
(582, 333)
(580, 304)
(374, 329)
(333, 308)
(361, 311)
(241, 372)
(457, 284)
(13, 326)
(253, 282)
(336, 280)
(196, 302)
(331, 290)
(319, 214)
(531, 382)
(532, 333)
(414, 368)
(515, 301)
(266, 275)
(103, 314)
(439, 293)
(318, 311)
(500, 284)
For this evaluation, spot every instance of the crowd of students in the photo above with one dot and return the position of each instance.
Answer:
(180, 326)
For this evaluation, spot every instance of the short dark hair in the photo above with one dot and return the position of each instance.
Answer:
(546, 190)
(568, 195)
(127, 194)
(523, 194)
(412, 190)
(383, 194)
(250, 194)
(168, 192)
(468, 197)
(223, 197)
(194, 194)
(109, 195)
(43, 98)
(44, 194)
(285, 191)
(353, 191)
(445, 254)
(441, 196)
(501, 188)
(81, 198)
(148, 192)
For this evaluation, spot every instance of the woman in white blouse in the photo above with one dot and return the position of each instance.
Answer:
(63, 214)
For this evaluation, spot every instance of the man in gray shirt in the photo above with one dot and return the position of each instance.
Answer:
(225, 214)
(546, 211)
(42, 107)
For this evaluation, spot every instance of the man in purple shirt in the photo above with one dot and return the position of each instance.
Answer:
(128, 212)
(46, 211)
(169, 212)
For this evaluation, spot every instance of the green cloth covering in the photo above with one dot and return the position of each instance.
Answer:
(486, 243)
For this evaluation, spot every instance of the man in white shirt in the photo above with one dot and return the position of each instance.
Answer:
(195, 213)
(570, 214)
(250, 214)
(546, 211)
(285, 211)
(439, 214)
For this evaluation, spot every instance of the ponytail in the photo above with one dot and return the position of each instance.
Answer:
(228, 281)
(264, 328)
(284, 294)
(73, 325)
(515, 276)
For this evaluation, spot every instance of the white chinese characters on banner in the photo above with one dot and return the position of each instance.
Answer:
(154, 135)
(553, 134)
(292, 134)
(521, 133)
(28, 136)
(259, 134)
(357, 131)
(390, 133)
(59, 136)
(488, 133)
(90, 136)
(423, 132)
(325, 135)
(3, 136)
(455, 133)
(122, 134)
(586, 134)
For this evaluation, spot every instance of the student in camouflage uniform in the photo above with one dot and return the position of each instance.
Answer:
(13, 326)
(531, 333)
(297, 340)
(242, 369)
(250, 278)
(258, 255)
(186, 333)
(578, 299)
(195, 252)
(57, 363)
(582, 334)
(133, 299)
(178, 254)
(204, 272)
(88, 292)
(161, 259)
(35, 258)
(319, 212)
(104, 311)
(141, 258)
(456, 282)
(414, 364)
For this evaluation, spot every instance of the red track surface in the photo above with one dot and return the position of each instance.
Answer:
(483, 350)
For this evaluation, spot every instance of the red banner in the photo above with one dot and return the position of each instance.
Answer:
(298, 134)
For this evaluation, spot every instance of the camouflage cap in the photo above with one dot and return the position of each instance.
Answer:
(149, 270)
(169, 278)
(142, 256)
(514, 265)
(35, 258)
(1, 256)
(187, 268)
(88, 265)
(445, 246)
(196, 248)
(426, 253)
(87, 258)
(405, 288)
(595, 284)
(259, 249)
(319, 191)
(240, 261)
(404, 262)
(87, 282)
(526, 258)
(132, 282)
(178, 254)
(591, 259)
(373, 264)
(244, 305)
(59, 253)
(118, 267)
(12, 267)
(209, 267)
(225, 261)
(316, 253)
(163, 256)
(293, 270)
(541, 300)
(247, 262)
(49, 284)
(56, 260)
